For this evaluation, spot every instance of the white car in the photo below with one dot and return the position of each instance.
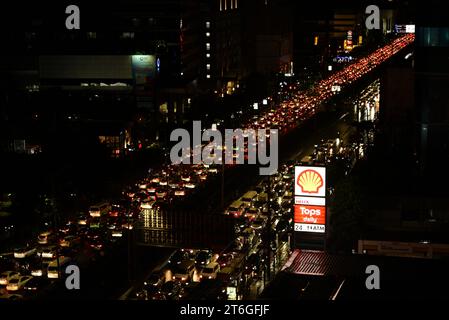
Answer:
(25, 252)
(6, 276)
(45, 237)
(48, 252)
(17, 283)
(117, 233)
(210, 271)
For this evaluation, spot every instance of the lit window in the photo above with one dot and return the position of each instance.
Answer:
(207, 24)
(207, 55)
(208, 46)
(208, 76)
(315, 41)
(208, 66)
(127, 35)
(207, 34)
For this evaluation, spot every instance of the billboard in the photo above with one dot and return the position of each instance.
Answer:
(310, 181)
(310, 199)
(85, 67)
(310, 214)
(404, 28)
(144, 73)
(144, 68)
(303, 227)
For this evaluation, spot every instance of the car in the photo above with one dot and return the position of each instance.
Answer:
(210, 271)
(258, 223)
(82, 220)
(96, 244)
(45, 237)
(70, 241)
(48, 252)
(24, 252)
(17, 283)
(150, 292)
(203, 257)
(35, 284)
(56, 266)
(252, 263)
(249, 198)
(155, 280)
(172, 290)
(39, 268)
(236, 209)
(225, 259)
(275, 207)
(252, 213)
(8, 275)
(69, 228)
(177, 257)
(184, 271)
(283, 225)
(117, 233)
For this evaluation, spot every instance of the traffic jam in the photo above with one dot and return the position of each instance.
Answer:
(39, 264)
(33, 266)
(232, 273)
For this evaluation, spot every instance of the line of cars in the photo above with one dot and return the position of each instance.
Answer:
(303, 104)
(227, 272)
(183, 268)
(173, 182)
(31, 268)
(170, 183)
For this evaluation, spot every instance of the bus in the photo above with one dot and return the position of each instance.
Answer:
(99, 209)
(52, 270)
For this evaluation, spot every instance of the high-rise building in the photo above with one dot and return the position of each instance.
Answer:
(431, 86)
(252, 37)
(144, 57)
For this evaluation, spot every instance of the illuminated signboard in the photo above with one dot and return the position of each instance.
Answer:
(310, 214)
(310, 199)
(404, 28)
(144, 67)
(310, 181)
(302, 227)
(232, 293)
(410, 28)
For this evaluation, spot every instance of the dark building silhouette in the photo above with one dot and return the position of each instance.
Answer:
(431, 86)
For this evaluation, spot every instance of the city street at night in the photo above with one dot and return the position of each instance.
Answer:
(219, 158)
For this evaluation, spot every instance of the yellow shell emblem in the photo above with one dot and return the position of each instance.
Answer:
(310, 181)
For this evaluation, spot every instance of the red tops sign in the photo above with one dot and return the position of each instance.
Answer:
(310, 214)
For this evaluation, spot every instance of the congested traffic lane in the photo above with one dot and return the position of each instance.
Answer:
(175, 182)
(82, 240)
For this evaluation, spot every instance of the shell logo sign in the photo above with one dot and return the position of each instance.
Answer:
(310, 199)
(310, 181)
